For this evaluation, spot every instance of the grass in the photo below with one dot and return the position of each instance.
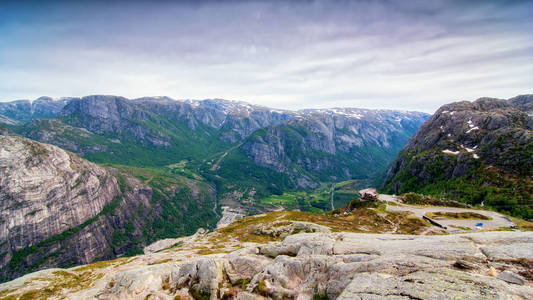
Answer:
(359, 220)
(461, 227)
(316, 201)
(209, 251)
(523, 224)
(457, 215)
(59, 283)
(419, 199)
(162, 261)
(103, 264)
(496, 229)
(4, 294)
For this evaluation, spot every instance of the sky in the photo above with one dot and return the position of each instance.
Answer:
(410, 55)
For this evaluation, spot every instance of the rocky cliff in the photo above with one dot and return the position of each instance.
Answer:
(331, 145)
(46, 191)
(479, 152)
(261, 258)
(61, 210)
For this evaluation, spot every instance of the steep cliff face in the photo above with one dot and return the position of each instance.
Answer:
(61, 210)
(332, 145)
(46, 191)
(479, 151)
(110, 115)
(36, 179)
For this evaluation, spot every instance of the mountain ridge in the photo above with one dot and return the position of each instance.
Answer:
(161, 131)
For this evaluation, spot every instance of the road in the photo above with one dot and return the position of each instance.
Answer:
(215, 166)
(332, 194)
(498, 220)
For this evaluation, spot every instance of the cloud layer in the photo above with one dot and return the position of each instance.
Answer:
(414, 55)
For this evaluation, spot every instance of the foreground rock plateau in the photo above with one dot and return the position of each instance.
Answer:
(313, 262)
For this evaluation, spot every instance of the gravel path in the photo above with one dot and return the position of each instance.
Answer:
(498, 220)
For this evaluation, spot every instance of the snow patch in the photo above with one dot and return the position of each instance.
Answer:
(475, 156)
(450, 152)
(469, 150)
(471, 129)
(276, 111)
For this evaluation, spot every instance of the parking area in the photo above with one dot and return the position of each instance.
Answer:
(452, 225)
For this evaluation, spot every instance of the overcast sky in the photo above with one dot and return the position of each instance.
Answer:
(414, 55)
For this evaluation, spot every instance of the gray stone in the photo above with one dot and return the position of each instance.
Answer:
(511, 277)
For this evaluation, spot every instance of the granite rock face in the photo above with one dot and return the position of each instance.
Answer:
(59, 209)
(45, 191)
(234, 120)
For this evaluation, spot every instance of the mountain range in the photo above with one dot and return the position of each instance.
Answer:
(125, 173)
(250, 144)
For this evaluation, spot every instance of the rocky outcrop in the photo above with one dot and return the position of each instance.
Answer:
(321, 265)
(488, 138)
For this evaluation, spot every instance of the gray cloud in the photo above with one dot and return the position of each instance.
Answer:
(379, 54)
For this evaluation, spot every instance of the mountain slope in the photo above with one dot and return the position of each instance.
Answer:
(240, 147)
(477, 152)
(321, 146)
(61, 210)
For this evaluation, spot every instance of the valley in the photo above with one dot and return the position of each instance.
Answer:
(124, 184)
(174, 165)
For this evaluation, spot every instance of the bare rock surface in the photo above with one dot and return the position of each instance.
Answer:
(336, 265)
(167, 243)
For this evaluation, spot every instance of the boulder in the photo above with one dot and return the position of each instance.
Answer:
(369, 194)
